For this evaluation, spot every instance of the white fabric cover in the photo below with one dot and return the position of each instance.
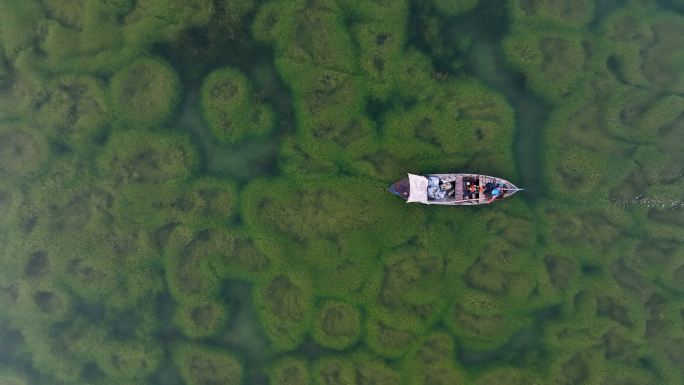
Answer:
(418, 189)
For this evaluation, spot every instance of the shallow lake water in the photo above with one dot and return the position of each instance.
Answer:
(194, 192)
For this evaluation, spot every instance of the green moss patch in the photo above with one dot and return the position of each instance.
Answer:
(229, 107)
(145, 93)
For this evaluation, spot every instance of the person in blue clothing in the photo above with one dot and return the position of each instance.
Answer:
(496, 191)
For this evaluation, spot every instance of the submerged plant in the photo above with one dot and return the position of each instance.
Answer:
(284, 305)
(229, 107)
(290, 371)
(145, 93)
(201, 365)
(337, 325)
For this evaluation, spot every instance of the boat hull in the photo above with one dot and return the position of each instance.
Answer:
(463, 189)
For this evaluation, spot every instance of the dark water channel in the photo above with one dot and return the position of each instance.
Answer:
(196, 54)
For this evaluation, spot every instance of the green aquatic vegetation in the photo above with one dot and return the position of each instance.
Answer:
(295, 160)
(436, 348)
(76, 107)
(627, 35)
(98, 47)
(663, 61)
(69, 14)
(10, 377)
(113, 34)
(553, 62)
(597, 228)
(502, 269)
(19, 19)
(589, 314)
(372, 371)
(188, 263)
(655, 259)
(22, 95)
(414, 288)
(334, 370)
(42, 343)
(164, 20)
(337, 325)
(574, 368)
(284, 306)
(144, 157)
(76, 208)
(387, 336)
(4, 75)
(316, 60)
(10, 200)
(518, 231)
(310, 209)
(630, 374)
(640, 116)
(89, 260)
(145, 93)
(229, 107)
(580, 171)
(456, 121)
(481, 323)
(82, 341)
(329, 106)
(241, 258)
(201, 365)
(442, 373)
(23, 151)
(508, 375)
(207, 201)
(45, 302)
(290, 371)
(119, 243)
(561, 269)
(452, 8)
(128, 361)
(328, 227)
(550, 13)
(307, 32)
(414, 76)
(136, 162)
(379, 30)
(202, 318)
(589, 121)
(382, 165)
(110, 35)
(581, 133)
(640, 52)
(432, 362)
(92, 277)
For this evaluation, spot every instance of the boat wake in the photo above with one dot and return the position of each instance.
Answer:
(661, 204)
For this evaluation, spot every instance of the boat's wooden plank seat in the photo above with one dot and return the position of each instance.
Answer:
(459, 188)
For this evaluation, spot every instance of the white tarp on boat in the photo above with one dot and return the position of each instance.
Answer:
(418, 189)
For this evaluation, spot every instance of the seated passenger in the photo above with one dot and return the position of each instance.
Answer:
(470, 191)
(497, 193)
(493, 195)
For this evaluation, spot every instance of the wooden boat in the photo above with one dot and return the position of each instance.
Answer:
(453, 189)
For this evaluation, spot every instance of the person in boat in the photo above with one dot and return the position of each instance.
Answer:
(448, 188)
(471, 189)
(442, 191)
(498, 191)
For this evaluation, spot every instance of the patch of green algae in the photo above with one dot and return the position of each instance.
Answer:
(119, 237)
